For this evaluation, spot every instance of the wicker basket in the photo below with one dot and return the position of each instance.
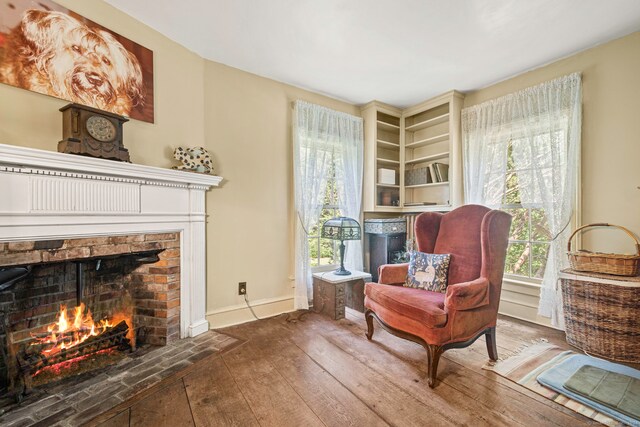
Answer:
(601, 314)
(598, 262)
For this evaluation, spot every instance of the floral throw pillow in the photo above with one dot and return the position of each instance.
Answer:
(428, 271)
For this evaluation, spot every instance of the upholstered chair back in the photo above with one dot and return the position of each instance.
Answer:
(469, 234)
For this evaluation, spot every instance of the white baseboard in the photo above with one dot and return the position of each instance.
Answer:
(198, 328)
(240, 313)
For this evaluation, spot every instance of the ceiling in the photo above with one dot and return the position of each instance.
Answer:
(396, 51)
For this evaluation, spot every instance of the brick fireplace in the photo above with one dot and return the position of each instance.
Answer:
(113, 279)
(60, 211)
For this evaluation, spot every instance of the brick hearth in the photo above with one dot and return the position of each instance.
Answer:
(72, 405)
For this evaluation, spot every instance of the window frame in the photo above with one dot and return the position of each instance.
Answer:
(518, 277)
(575, 220)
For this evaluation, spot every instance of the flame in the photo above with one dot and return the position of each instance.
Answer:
(69, 332)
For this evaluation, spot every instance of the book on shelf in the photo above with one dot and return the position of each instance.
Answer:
(442, 171)
(432, 172)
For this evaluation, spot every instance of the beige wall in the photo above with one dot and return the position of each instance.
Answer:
(610, 134)
(243, 120)
(248, 129)
(33, 120)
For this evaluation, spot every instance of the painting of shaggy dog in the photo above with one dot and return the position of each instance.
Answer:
(57, 54)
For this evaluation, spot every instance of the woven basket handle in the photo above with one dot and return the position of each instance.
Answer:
(604, 224)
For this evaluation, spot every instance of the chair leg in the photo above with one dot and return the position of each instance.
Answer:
(369, 316)
(434, 352)
(492, 348)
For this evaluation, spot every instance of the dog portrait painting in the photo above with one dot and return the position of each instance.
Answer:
(48, 49)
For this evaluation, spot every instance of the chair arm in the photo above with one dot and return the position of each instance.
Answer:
(392, 274)
(467, 295)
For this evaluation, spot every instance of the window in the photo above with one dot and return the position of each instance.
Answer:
(532, 159)
(521, 153)
(324, 252)
(327, 147)
(529, 237)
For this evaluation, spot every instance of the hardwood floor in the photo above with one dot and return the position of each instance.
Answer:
(313, 371)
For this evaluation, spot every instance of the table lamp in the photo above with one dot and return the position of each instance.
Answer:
(341, 228)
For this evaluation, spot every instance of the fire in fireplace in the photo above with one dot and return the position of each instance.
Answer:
(70, 340)
(69, 335)
(125, 289)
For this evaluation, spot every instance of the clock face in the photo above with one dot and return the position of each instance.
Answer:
(101, 128)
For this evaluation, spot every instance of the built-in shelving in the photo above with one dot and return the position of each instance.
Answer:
(382, 157)
(420, 146)
(430, 148)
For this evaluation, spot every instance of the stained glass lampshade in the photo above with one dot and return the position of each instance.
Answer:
(341, 228)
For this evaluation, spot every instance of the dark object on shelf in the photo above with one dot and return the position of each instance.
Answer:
(91, 132)
(341, 228)
(389, 197)
(598, 262)
(417, 176)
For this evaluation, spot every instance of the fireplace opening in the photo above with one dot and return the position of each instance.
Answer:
(81, 305)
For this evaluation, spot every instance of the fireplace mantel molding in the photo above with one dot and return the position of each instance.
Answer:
(46, 195)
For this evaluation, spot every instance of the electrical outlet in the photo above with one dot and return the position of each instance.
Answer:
(242, 288)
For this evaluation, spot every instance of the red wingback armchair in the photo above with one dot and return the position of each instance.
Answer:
(476, 237)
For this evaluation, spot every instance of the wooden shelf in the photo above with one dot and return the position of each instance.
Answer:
(427, 208)
(388, 162)
(387, 126)
(431, 184)
(430, 158)
(387, 144)
(427, 141)
(388, 185)
(428, 123)
(381, 208)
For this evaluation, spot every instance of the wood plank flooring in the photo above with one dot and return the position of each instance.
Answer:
(304, 369)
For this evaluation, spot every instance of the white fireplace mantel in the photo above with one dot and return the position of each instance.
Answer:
(46, 195)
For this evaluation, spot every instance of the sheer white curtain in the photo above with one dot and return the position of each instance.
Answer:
(349, 163)
(543, 126)
(320, 136)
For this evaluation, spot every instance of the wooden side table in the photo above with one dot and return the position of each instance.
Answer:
(332, 293)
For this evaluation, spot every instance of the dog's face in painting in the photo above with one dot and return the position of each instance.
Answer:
(53, 53)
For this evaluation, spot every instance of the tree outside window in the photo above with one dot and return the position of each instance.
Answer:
(529, 237)
(324, 252)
